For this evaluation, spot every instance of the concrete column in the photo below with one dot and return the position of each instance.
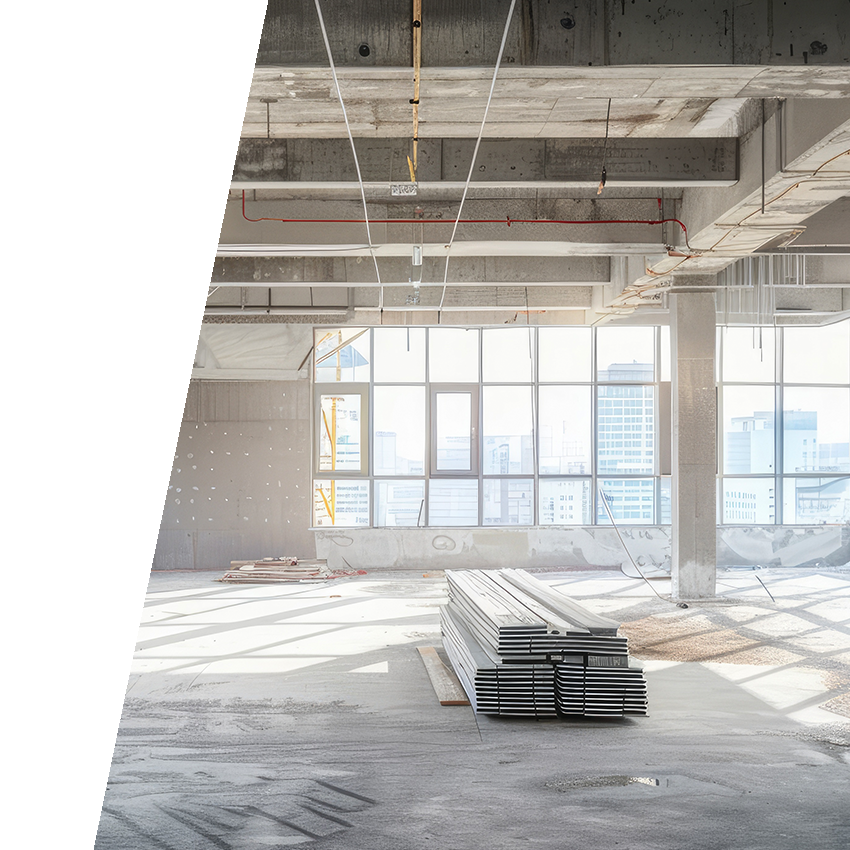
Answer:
(693, 445)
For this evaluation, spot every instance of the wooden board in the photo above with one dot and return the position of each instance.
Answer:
(446, 685)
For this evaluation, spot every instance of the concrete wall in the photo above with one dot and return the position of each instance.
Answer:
(240, 485)
(467, 548)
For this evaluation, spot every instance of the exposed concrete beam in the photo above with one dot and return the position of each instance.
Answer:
(312, 164)
(408, 317)
(828, 228)
(557, 102)
(321, 272)
(581, 34)
(757, 213)
(465, 248)
(469, 298)
(292, 295)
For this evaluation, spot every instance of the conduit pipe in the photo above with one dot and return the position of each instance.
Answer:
(507, 220)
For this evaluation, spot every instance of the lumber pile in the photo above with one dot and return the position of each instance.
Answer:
(276, 569)
(520, 647)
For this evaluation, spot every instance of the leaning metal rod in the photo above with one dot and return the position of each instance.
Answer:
(626, 548)
(765, 587)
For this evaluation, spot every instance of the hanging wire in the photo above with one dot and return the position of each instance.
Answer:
(474, 156)
(604, 175)
(353, 151)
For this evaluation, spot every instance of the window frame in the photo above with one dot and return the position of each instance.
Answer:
(340, 388)
(474, 429)
(780, 477)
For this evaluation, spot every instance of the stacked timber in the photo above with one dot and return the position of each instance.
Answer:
(519, 647)
(276, 569)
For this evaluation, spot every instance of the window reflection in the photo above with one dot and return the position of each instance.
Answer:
(508, 444)
(342, 503)
(398, 440)
(453, 355)
(748, 501)
(816, 424)
(340, 429)
(565, 501)
(399, 355)
(626, 430)
(453, 502)
(816, 501)
(625, 354)
(538, 453)
(507, 354)
(748, 429)
(508, 501)
(565, 435)
(818, 355)
(399, 503)
(342, 355)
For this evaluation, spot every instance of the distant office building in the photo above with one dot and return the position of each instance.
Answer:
(626, 443)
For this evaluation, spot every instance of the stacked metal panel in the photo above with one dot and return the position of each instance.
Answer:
(600, 691)
(519, 647)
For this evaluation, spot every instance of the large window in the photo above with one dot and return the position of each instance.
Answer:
(785, 409)
(491, 427)
(524, 426)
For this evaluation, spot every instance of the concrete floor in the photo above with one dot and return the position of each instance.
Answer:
(266, 716)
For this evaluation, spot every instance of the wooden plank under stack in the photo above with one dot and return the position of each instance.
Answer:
(520, 647)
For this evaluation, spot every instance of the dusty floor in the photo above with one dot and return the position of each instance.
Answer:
(267, 716)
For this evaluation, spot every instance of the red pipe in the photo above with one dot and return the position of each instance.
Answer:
(509, 221)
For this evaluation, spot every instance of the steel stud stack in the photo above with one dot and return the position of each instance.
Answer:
(520, 647)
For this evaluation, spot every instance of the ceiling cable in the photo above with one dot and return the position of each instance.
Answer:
(604, 175)
(474, 154)
(353, 150)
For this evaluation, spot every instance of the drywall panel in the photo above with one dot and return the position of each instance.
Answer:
(240, 484)
(175, 550)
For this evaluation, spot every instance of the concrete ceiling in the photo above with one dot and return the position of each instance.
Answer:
(730, 122)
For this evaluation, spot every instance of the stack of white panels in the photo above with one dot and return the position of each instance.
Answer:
(493, 687)
(600, 691)
(520, 647)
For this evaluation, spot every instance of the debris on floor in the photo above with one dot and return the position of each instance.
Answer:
(287, 569)
(520, 647)
(283, 561)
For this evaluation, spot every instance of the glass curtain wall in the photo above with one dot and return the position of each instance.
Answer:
(784, 400)
(524, 426)
(477, 427)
